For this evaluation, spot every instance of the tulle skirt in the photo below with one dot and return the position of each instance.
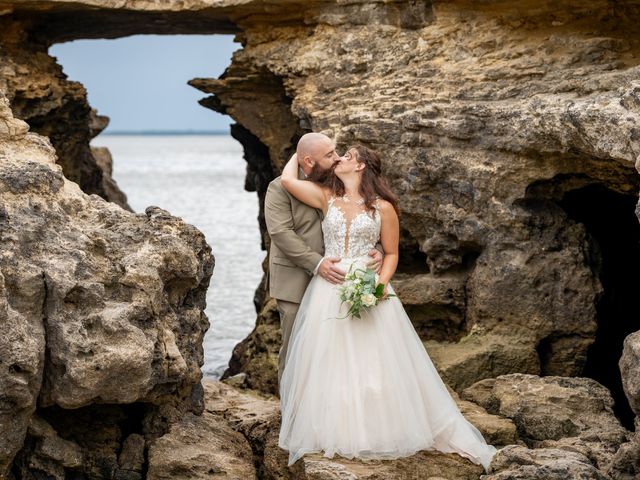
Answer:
(366, 387)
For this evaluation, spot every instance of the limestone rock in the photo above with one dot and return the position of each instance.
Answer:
(521, 463)
(495, 124)
(625, 464)
(10, 127)
(51, 455)
(509, 132)
(574, 414)
(480, 355)
(486, 124)
(435, 304)
(423, 465)
(131, 458)
(630, 368)
(496, 429)
(90, 442)
(54, 106)
(98, 305)
(104, 161)
(200, 447)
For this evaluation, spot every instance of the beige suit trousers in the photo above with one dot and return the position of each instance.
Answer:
(288, 311)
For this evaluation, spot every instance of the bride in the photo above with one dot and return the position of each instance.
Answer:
(363, 387)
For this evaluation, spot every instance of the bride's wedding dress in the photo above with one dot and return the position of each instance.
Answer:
(364, 387)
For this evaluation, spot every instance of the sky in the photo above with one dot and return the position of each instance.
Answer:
(140, 81)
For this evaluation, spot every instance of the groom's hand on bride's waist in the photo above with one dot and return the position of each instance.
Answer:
(376, 262)
(330, 271)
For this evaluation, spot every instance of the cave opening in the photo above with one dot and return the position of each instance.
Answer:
(610, 219)
(411, 260)
(612, 253)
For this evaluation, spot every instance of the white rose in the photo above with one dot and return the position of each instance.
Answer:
(369, 299)
(359, 273)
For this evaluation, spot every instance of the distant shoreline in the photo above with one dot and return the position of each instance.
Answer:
(167, 132)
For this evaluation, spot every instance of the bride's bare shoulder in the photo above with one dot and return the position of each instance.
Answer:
(384, 205)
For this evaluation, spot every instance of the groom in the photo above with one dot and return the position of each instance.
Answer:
(297, 246)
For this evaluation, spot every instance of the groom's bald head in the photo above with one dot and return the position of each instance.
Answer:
(316, 152)
(310, 144)
(316, 155)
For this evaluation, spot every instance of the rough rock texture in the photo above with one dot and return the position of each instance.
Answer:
(495, 429)
(521, 463)
(257, 355)
(625, 464)
(460, 364)
(109, 186)
(40, 94)
(630, 369)
(574, 414)
(50, 454)
(98, 306)
(436, 305)
(494, 123)
(200, 447)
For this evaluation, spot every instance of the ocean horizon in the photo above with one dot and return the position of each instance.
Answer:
(164, 132)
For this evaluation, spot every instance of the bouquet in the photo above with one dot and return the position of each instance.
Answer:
(360, 290)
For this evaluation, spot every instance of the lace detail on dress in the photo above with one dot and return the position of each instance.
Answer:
(349, 230)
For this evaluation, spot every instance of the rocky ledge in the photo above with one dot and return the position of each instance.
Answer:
(552, 431)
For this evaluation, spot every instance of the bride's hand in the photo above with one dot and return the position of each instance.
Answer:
(385, 293)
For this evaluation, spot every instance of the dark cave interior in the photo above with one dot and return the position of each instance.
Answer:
(610, 219)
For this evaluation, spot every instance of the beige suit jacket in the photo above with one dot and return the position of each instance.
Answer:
(296, 243)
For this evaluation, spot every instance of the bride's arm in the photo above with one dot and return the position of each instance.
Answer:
(389, 238)
(305, 191)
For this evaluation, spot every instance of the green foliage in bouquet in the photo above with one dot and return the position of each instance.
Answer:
(360, 290)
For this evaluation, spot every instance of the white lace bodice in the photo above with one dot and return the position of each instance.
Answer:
(349, 230)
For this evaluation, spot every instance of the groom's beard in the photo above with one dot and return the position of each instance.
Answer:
(320, 175)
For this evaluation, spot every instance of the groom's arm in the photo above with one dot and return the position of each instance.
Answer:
(279, 219)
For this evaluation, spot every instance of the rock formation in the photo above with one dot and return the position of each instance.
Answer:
(519, 463)
(40, 94)
(630, 367)
(102, 318)
(555, 412)
(510, 133)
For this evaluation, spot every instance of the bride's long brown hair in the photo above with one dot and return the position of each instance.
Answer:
(373, 183)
